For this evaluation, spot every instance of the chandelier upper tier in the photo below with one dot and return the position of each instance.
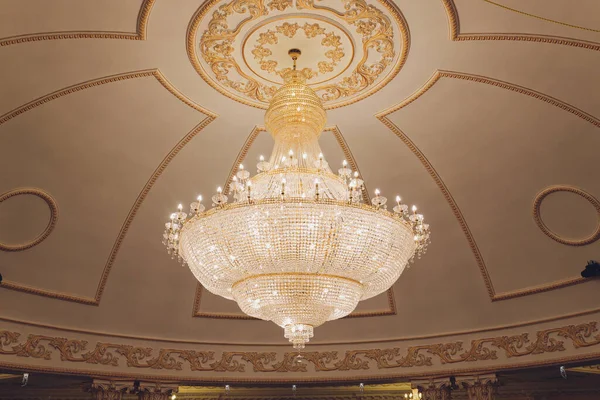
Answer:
(298, 245)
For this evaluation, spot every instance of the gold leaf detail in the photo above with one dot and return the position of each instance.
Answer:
(279, 5)
(288, 29)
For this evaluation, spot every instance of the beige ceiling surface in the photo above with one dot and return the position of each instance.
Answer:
(120, 127)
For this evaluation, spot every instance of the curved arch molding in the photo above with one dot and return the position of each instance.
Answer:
(537, 203)
(455, 34)
(51, 222)
(209, 116)
(218, 365)
(382, 116)
(139, 34)
(583, 28)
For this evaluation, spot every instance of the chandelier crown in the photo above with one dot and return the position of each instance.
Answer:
(296, 113)
(298, 245)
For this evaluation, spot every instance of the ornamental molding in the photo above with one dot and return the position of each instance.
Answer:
(213, 46)
(209, 116)
(139, 34)
(434, 389)
(383, 117)
(281, 344)
(156, 390)
(111, 355)
(52, 206)
(108, 390)
(481, 387)
(537, 203)
(455, 35)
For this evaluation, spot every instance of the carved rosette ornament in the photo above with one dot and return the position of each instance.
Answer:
(109, 390)
(481, 387)
(156, 391)
(434, 389)
(351, 48)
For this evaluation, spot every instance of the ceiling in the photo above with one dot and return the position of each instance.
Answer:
(483, 113)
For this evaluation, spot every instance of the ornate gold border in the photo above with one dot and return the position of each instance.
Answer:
(51, 222)
(279, 344)
(382, 116)
(209, 117)
(140, 34)
(196, 313)
(455, 34)
(206, 6)
(41, 347)
(537, 203)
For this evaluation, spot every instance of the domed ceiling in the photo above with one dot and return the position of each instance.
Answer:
(486, 113)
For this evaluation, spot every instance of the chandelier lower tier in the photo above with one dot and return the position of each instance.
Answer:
(297, 245)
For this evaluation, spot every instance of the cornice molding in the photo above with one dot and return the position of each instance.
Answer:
(49, 200)
(383, 117)
(456, 35)
(426, 357)
(140, 34)
(537, 203)
(209, 116)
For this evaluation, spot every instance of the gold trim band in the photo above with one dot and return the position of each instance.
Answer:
(248, 278)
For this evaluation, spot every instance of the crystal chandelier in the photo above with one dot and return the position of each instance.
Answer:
(297, 245)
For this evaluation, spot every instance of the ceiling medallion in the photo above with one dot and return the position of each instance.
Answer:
(298, 245)
(352, 48)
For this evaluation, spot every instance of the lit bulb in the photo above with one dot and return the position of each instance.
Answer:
(261, 158)
(173, 216)
(356, 174)
(377, 192)
(180, 207)
(283, 159)
(304, 155)
(316, 181)
(344, 163)
(398, 199)
(199, 198)
(414, 208)
(283, 180)
(249, 184)
(291, 153)
(241, 166)
(320, 156)
(234, 178)
(298, 108)
(219, 189)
